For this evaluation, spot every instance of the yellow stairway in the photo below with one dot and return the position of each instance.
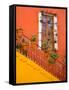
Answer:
(28, 72)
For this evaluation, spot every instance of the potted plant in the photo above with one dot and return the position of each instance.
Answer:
(53, 57)
(44, 46)
(33, 40)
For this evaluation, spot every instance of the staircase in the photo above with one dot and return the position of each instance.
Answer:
(39, 57)
(29, 72)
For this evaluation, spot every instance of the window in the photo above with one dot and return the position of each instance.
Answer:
(47, 31)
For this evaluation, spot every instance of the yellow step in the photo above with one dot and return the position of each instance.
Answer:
(28, 72)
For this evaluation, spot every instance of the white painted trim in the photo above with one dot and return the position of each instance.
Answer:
(40, 30)
(39, 36)
(55, 32)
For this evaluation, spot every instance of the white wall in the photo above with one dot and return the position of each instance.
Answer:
(4, 45)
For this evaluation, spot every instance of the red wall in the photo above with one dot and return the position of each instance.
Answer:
(27, 19)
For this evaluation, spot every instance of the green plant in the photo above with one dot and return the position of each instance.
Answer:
(33, 39)
(52, 58)
(44, 45)
(18, 46)
(54, 55)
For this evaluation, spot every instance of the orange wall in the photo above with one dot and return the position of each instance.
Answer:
(27, 19)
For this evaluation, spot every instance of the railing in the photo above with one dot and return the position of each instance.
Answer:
(38, 56)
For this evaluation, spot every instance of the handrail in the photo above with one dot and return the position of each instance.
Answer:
(36, 45)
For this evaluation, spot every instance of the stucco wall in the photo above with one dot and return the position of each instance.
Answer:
(27, 19)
